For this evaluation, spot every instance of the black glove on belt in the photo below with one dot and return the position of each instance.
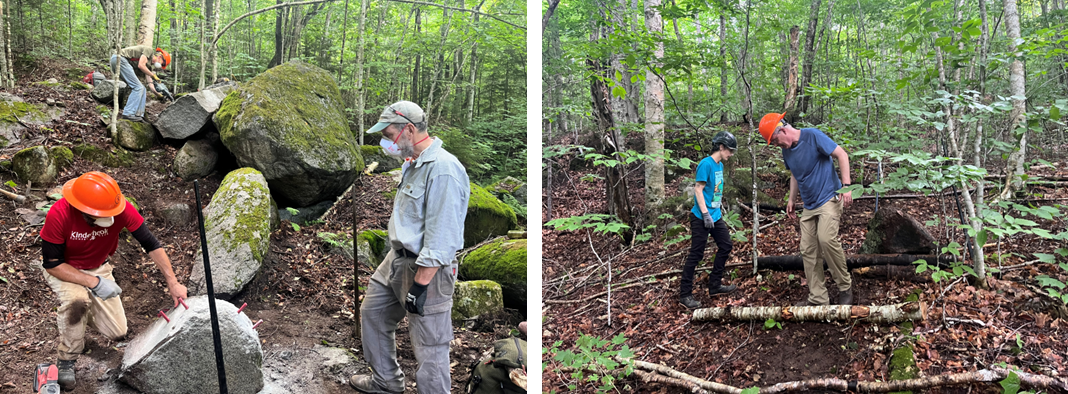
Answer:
(415, 299)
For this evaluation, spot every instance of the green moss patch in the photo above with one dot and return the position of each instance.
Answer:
(9, 110)
(903, 364)
(62, 156)
(503, 261)
(252, 219)
(476, 298)
(377, 239)
(121, 157)
(487, 217)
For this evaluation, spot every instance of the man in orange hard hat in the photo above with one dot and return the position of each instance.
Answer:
(808, 155)
(147, 59)
(80, 232)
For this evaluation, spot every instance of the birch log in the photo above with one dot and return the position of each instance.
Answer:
(883, 314)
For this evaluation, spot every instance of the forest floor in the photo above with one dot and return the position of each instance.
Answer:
(304, 292)
(1008, 323)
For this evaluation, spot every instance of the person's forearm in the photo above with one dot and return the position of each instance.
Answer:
(163, 262)
(67, 273)
(793, 189)
(699, 191)
(843, 168)
(424, 274)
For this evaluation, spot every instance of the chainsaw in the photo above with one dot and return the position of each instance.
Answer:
(160, 87)
(46, 379)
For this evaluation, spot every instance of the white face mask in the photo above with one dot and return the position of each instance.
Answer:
(390, 148)
(105, 222)
(157, 66)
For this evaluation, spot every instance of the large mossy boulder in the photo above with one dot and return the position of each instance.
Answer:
(237, 223)
(475, 298)
(386, 163)
(190, 113)
(289, 123)
(487, 217)
(34, 165)
(503, 261)
(135, 136)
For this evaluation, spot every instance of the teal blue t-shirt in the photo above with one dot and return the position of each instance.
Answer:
(711, 173)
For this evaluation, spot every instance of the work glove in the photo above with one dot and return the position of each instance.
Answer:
(156, 77)
(708, 220)
(415, 299)
(106, 288)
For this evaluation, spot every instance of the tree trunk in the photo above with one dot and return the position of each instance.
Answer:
(130, 30)
(978, 141)
(654, 112)
(148, 23)
(444, 31)
(174, 44)
(341, 57)
(880, 314)
(70, 30)
(723, 57)
(418, 56)
(213, 49)
(278, 21)
(1018, 115)
(360, 95)
(612, 143)
(810, 57)
(3, 48)
(791, 70)
(794, 263)
(474, 69)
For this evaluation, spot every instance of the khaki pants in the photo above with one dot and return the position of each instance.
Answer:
(819, 242)
(78, 307)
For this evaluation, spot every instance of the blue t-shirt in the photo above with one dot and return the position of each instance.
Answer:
(811, 164)
(711, 173)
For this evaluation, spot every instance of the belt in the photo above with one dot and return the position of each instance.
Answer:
(405, 253)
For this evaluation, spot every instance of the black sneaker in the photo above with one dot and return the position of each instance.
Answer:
(134, 118)
(845, 297)
(721, 290)
(690, 302)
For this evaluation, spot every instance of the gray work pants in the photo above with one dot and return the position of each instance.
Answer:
(383, 309)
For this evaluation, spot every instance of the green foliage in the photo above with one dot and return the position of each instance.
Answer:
(1011, 384)
(593, 361)
(292, 211)
(956, 270)
(600, 223)
(771, 323)
(333, 239)
(296, 227)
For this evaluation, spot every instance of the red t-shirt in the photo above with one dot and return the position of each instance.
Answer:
(87, 245)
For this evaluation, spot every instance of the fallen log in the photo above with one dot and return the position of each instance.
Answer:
(665, 375)
(893, 272)
(882, 314)
(795, 263)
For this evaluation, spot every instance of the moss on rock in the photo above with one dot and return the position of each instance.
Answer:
(487, 217)
(289, 122)
(79, 85)
(35, 165)
(503, 261)
(903, 364)
(62, 156)
(121, 157)
(136, 136)
(10, 110)
(474, 298)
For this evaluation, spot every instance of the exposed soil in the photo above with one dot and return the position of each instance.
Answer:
(658, 329)
(304, 293)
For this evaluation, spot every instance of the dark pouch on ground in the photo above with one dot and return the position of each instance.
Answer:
(491, 374)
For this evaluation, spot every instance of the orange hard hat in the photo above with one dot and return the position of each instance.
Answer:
(96, 194)
(166, 57)
(768, 124)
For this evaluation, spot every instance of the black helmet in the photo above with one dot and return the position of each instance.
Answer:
(725, 138)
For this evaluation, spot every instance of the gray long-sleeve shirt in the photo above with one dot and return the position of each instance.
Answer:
(430, 208)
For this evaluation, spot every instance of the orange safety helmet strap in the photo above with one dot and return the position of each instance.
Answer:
(768, 124)
(96, 194)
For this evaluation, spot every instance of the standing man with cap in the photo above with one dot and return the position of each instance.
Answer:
(707, 219)
(418, 275)
(807, 154)
(145, 57)
(80, 232)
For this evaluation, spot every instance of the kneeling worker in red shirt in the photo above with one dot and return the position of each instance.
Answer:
(80, 232)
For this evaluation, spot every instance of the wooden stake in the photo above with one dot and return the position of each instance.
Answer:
(882, 314)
